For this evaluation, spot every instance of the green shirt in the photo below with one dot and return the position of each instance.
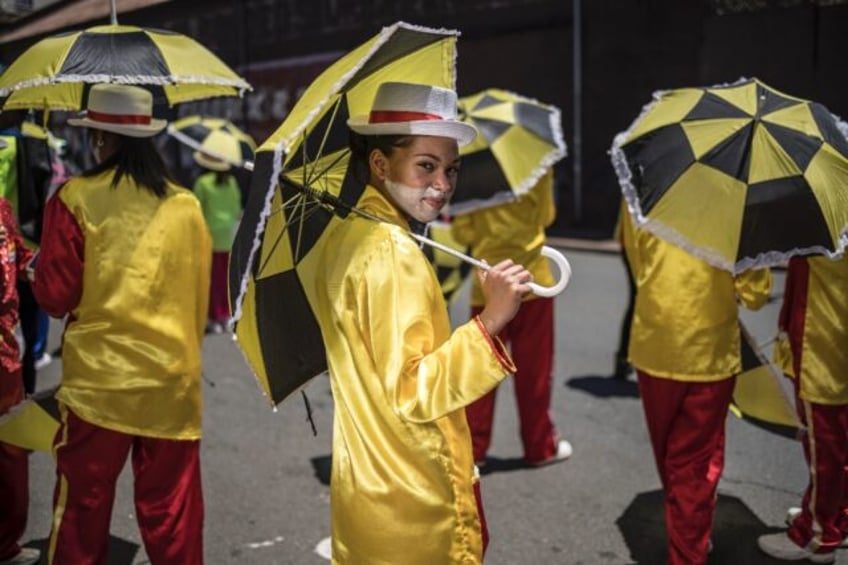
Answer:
(221, 205)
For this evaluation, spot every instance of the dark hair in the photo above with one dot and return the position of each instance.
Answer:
(138, 158)
(361, 147)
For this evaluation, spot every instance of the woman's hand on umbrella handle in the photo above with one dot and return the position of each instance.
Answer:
(564, 274)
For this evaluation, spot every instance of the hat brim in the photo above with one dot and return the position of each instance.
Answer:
(211, 163)
(131, 130)
(460, 131)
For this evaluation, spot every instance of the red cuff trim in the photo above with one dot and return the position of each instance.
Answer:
(497, 346)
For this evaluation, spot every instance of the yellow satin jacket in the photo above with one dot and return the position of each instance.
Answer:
(514, 230)
(403, 472)
(132, 271)
(814, 324)
(685, 317)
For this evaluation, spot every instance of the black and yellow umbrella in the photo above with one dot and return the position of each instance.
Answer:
(217, 137)
(450, 269)
(55, 72)
(519, 140)
(759, 396)
(33, 423)
(740, 175)
(302, 166)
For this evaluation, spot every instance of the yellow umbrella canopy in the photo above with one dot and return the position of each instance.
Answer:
(33, 423)
(759, 396)
(217, 137)
(519, 140)
(740, 175)
(54, 72)
(301, 168)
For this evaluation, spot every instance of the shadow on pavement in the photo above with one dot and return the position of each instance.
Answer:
(735, 532)
(503, 465)
(323, 466)
(121, 551)
(604, 387)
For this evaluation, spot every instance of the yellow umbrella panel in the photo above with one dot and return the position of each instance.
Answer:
(54, 72)
(740, 175)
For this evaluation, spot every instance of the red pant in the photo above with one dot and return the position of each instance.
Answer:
(823, 522)
(219, 300)
(686, 424)
(168, 497)
(14, 474)
(530, 336)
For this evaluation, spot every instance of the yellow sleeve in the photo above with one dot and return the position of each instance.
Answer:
(753, 287)
(547, 206)
(204, 260)
(427, 372)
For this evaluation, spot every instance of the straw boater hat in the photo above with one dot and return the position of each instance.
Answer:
(402, 108)
(122, 109)
(209, 162)
(218, 152)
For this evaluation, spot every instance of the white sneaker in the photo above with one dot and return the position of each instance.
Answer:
(780, 546)
(794, 512)
(564, 451)
(27, 556)
(43, 361)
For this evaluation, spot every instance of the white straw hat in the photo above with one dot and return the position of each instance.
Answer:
(402, 108)
(121, 109)
(210, 162)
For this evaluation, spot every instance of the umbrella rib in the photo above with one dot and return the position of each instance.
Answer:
(324, 139)
(302, 202)
(344, 153)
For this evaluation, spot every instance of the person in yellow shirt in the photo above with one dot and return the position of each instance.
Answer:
(403, 485)
(685, 347)
(125, 255)
(813, 351)
(516, 230)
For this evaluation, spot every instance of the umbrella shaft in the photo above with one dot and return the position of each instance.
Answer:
(451, 251)
(426, 240)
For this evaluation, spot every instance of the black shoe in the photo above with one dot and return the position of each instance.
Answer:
(622, 369)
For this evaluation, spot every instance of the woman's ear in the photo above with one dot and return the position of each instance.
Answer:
(378, 164)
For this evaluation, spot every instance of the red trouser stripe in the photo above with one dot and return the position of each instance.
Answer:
(686, 424)
(167, 492)
(14, 473)
(219, 301)
(530, 337)
(823, 522)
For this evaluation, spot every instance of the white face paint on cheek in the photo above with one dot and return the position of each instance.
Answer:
(422, 204)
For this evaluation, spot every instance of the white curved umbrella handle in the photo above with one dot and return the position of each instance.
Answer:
(549, 252)
(564, 274)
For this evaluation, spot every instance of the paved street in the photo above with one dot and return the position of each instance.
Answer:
(265, 475)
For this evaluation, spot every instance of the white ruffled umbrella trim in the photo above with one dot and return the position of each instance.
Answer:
(673, 236)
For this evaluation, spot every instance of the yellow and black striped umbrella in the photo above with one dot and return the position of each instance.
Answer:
(759, 396)
(298, 170)
(450, 270)
(520, 139)
(205, 133)
(740, 175)
(55, 72)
